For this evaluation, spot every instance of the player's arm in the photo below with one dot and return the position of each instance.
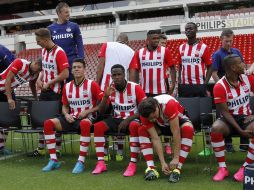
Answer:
(32, 85)
(105, 100)
(208, 73)
(174, 127)
(207, 59)
(158, 148)
(125, 123)
(8, 89)
(173, 79)
(66, 107)
(100, 70)
(134, 68)
(61, 77)
(215, 65)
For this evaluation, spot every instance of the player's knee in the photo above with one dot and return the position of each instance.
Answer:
(100, 128)
(85, 125)
(49, 125)
(187, 129)
(217, 128)
(133, 127)
(142, 131)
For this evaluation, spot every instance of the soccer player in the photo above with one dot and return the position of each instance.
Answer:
(231, 96)
(226, 37)
(110, 54)
(152, 62)
(194, 60)
(19, 72)
(124, 96)
(79, 103)
(164, 115)
(55, 70)
(67, 35)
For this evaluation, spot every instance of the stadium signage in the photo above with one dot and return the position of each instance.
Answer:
(224, 23)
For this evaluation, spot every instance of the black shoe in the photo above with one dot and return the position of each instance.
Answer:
(37, 152)
(229, 148)
(243, 148)
(174, 176)
(151, 174)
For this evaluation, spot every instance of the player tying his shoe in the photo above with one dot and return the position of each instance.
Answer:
(231, 96)
(124, 96)
(80, 97)
(164, 115)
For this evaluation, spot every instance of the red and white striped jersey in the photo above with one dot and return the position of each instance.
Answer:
(125, 103)
(114, 53)
(194, 59)
(153, 66)
(20, 67)
(53, 63)
(81, 97)
(237, 99)
(170, 108)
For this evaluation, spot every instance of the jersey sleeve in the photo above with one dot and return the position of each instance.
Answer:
(171, 109)
(168, 58)
(146, 123)
(16, 66)
(64, 97)
(102, 52)
(79, 41)
(61, 61)
(139, 93)
(216, 61)
(97, 94)
(219, 94)
(135, 62)
(207, 56)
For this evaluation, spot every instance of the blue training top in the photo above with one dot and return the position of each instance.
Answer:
(68, 37)
(218, 57)
(6, 58)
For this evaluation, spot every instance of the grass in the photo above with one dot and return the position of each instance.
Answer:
(22, 172)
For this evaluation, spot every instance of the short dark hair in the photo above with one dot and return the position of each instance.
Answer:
(80, 60)
(43, 33)
(194, 24)
(118, 66)
(60, 6)
(228, 61)
(150, 32)
(163, 36)
(147, 106)
(227, 32)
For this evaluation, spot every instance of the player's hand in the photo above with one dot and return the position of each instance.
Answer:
(110, 89)
(11, 103)
(45, 86)
(83, 114)
(69, 118)
(173, 164)
(246, 133)
(123, 125)
(39, 84)
(165, 169)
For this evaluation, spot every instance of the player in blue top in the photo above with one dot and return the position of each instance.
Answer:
(6, 58)
(67, 35)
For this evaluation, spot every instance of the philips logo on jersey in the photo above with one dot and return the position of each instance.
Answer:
(151, 64)
(191, 60)
(79, 102)
(62, 36)
(238, 101)
(20, 79)
(124, 108)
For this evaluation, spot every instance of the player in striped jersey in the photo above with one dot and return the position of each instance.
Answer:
(164, 115)
(124, 96)
(19, 72)
(152, 62)
(55, 70)
(79, 99)
(231, 96)
(195, 61)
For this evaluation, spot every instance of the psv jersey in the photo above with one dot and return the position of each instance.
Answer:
(81, 97)
(237, 99)
(20, 67)
(170, 108)
(125, 103)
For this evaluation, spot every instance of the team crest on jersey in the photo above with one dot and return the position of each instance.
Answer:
(68, 29)
(159, 56)
(129, 98)
(85, 92)
(245, 88)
